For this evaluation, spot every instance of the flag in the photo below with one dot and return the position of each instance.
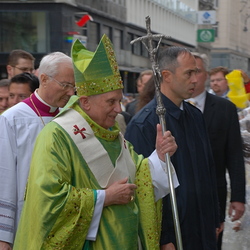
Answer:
(84, 20)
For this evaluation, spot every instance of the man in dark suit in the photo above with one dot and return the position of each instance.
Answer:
(224, 132)
(196, 196)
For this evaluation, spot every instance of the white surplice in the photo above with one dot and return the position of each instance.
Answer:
(20, 126)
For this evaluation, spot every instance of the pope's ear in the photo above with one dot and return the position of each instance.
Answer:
(84, 102)
(166, 75)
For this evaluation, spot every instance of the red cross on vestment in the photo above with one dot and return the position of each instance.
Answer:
(79, 131)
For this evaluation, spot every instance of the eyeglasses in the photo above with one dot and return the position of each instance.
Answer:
(65, 86)
(24, 69)
(218, 80)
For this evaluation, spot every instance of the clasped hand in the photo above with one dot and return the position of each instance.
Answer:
(122, 192)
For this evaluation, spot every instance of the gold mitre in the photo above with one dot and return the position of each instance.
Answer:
(95, 72)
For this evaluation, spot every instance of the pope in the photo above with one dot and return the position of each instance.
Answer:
(87, 188)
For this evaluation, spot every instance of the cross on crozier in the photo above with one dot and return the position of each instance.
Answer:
(149, 45)
(147, 41)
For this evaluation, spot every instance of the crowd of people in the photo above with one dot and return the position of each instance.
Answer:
(81, 169)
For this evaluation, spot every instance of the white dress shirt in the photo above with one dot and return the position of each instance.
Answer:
(199, 101)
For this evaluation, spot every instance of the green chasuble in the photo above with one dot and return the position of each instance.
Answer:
(61, 196)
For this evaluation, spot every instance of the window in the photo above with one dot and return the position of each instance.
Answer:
(24, 30)
(118, 38)
(137, 47)
(108, 31)
(94, 33)
(216, 29)
(144, 51)
(131, 38)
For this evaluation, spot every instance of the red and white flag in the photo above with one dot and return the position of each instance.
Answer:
(84, 20)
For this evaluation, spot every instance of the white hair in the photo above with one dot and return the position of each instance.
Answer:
(49, 63)
(203, 57)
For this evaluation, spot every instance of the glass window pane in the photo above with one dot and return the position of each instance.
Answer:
(118, 39)
(93, 35)
(137, 47)
(144, 51)
(24, 30)
(107, 30)
(131, 38)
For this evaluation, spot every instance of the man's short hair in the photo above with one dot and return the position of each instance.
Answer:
(224, 70)
(26, 78)
(4, 83)
(16, 54)
(167, 58)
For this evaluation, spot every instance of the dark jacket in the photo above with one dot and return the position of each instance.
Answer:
(224, 132)
(196, 196)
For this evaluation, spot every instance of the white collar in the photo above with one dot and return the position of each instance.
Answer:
(52, 109)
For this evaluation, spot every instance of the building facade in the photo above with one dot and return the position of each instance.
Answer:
(41, 27)
(232, 34)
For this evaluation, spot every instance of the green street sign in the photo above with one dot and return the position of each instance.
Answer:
(205, 35)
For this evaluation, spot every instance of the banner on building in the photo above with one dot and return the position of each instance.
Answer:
(205, 35)
(207, 17)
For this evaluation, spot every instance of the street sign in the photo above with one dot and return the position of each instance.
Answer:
(207, 17)
(205, 35)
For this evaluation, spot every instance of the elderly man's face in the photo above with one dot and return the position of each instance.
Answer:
(201, 77)
(103, 108)
(57, 90)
